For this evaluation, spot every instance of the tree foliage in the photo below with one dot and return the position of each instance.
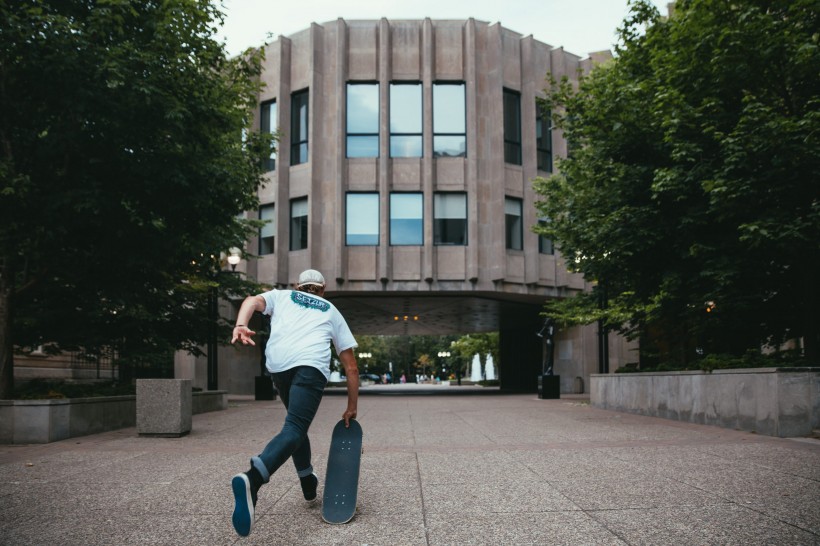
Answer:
(692, 179)
(123, 171)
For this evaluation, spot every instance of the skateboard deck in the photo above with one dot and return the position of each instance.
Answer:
(342, 478)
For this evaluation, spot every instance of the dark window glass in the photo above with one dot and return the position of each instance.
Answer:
(512, 127)
(406, 219)
(514, 223)
(405, 120)
(299, 128)
(299, 223)
(362, 219)
(450, 218)
(543, 140)
(268, 124)
(449, 120)
(267, 233)
(363, 120)
(545, 245)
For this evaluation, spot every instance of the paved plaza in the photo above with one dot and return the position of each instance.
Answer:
(437, 469)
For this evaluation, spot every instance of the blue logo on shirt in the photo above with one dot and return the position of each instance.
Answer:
(309, 302)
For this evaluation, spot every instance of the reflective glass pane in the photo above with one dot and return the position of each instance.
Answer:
(405, 108)
(406, 219)
(363, 108)
(514, 224)
(363, 146)
(450, 222)
(449, 146)
(405, 146)
(362, 219)
(448, 108)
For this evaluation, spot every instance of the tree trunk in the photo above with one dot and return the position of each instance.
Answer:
(6, 345)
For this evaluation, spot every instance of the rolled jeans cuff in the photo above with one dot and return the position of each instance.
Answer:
(306, 472)
(257, 463)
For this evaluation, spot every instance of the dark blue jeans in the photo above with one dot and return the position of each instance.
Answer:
(301, 389)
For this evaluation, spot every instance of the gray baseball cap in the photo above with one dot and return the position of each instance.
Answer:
(311, 276)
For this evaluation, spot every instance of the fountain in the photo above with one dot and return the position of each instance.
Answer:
(489, 368)
(475, 371)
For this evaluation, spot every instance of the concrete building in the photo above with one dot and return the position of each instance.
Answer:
(404, 174)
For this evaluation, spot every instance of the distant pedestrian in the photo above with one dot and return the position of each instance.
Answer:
(297, 355)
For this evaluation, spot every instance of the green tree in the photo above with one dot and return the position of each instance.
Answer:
(123, 171)
(465, 347)
(692, 181)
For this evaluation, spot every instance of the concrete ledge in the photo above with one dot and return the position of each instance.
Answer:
(164, 407)
(44, 421)
(783, 402)
(205, 401)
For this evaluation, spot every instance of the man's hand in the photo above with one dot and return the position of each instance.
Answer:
(348, 415)
(243, 334)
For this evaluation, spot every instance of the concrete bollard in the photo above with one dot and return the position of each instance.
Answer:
(164, 407)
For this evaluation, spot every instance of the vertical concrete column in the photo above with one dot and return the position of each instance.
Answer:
(340, 165)
(471, 175)
(385, 172)
(283, 163)
(529, 163)
(427, 164)
(318, 150)
(493, 178)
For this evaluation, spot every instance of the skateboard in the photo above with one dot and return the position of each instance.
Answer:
(342, 479)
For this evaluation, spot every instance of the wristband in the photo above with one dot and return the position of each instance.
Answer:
(241, 326)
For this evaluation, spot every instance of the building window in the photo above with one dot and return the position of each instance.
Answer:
(545, 245)
(543, 139)
(268, 124)
(362, 219)
(514, 223)
(267, 233)
(299, 223)
(363, 120)
(450, 218)
(299, 127)
(406, 219)
(405, 120)
(449, 120)
(512, 127)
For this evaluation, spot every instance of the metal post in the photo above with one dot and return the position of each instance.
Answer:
(213, 359)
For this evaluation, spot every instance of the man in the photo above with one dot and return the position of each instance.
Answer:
(297, 355)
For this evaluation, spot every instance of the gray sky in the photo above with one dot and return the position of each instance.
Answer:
(580, 26)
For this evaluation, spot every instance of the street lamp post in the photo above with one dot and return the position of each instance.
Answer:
(444, 355)
(234, 257)
(363, 357)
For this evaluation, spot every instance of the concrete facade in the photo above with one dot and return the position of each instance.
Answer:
(479, 286)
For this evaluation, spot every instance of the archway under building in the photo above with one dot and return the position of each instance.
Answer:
(515, 318)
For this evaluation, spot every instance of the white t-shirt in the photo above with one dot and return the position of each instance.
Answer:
(302, 327)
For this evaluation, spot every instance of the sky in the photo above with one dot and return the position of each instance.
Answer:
(580, 26)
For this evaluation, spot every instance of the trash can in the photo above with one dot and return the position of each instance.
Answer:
(549, 386)
(263, 388)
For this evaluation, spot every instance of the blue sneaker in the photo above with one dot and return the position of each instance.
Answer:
(243, 509)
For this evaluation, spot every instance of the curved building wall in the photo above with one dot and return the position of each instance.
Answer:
(475, 281)
(488, 59)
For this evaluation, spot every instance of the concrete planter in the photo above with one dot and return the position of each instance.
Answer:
(782, 402)
(44, 421)
(164, 407)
